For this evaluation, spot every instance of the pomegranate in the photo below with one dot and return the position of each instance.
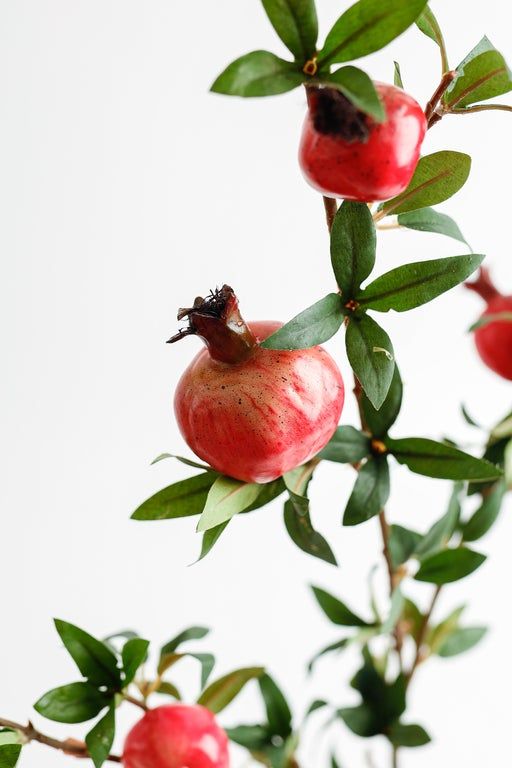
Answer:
(494, 339)
(176, 736)
(253, 413)
(344, 153)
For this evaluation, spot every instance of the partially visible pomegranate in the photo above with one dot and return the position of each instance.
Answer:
(344, 153)
(176, 736)
(253, 413)
(494, 339)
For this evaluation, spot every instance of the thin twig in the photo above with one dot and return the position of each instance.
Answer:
(480, 108)
(135, 702)
(439, 92)
(331, 209)
(422, 634)
(68, 746)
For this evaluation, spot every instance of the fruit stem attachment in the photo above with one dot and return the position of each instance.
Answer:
(218, 322)
(430, 110)
(483, 285)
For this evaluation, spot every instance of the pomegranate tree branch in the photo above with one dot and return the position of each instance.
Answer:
(331, 208)
(438, 94)
(68, 746)
(135, 702)
(422, 634)
(481, 108)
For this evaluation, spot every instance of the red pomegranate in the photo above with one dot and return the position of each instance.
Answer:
(253, 413)
(176, 736)
(494, 339)
(344, 153)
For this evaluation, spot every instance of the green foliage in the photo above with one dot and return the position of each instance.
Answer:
(226, 498)
(279, 716)
(358, 87)
(259, 73)
(402, 735)
(380, 421)
(93, 658)
(461, 640)
(9, 755)
(486, 515)
(348, 445)
(449, 565)
(100, 739)
(336, 611)
(402, 543)
(73, 703)
(301, 531)
(296, 23)
(221, 692)
(353, 245)
(429, 25)
(181, 499)
(370, 492)
(371, 356)
(430, 220)
(482, 75)
(134, 654)
(397, 78)
(427, 457)
(313, 326)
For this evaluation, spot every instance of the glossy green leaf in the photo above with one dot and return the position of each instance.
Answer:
(93, 658)
(359, 89)
(371, 357)
(301, 531)
(279, 717)
(368, 26)
(402, 543)
(412, 285)
(436, 178)
(483, 74)
(378, 422)
(9, 755)
(486, 515)
(370, 492)
(347, 446)
(430, 220)
(336, 611)
(353, 244)
(339, 645)
(449, 565)
(191, 633)
(259, 73)
(210, 538)
(74, 703)
(438, 536)
(436, 635)
(222, 692)
(182, 499)
(226, 498)
(397, 78)
(134, 653)
(385, 700)
(100, 739)
(168, 689)
(296, 23)
(252, 737)
(427, 457)
(360, 720)
(402, 735)
(313, 326)
(461, 640)
(429, 25)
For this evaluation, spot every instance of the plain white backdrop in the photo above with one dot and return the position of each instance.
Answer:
(126, 189)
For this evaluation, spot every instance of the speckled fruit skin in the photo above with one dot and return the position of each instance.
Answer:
(260, 418)
(176, 736)
(378, 169)
(494, 341)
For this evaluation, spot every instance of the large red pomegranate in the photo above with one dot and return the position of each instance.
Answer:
(494, 338)
(176, 736)
(253, 413)
(344, 153)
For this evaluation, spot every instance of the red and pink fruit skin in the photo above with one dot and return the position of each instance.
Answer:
(377, 169)
(494, 340)
(176, 736)
(260, 418)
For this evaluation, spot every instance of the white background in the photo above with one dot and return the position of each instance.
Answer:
(126, 190)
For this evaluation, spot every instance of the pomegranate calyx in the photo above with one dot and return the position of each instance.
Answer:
(483, 285)
(217, 320)
(333, 114)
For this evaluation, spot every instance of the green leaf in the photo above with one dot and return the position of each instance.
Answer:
(279, 717)
(437, 635)
(427, 457)
(74, 703)
(402, 543)
(134, 653)
(412, 285)
(429, 25)
(302, 533)
(436, 178)
(336, 611)
(438, 536)
(331, 648)
(412, 735)
(385, 701)
(461, 640)
(252, 737)
(486, 515)
(9, 755)
(368, 26)
(226, 498)
(210, 538)
(269, 492)
(360, 720)
(182, 459)
(347, 446)
(100, 739)
(413, 620)
(379, 422)
(483, 74)
(259, 73)
(353, 244)
(93, 658)
(315, 706)
(484, 320)
(297, 481)
(359, 89)
(313, 326)
(370, 492)
(222, 692)
(449, 565)
(430, 220)
(395, 612)
(168, 689)
(371, 357)
(182, 499)
(9, 737)
(397, 78)
(296, 23)
(192, 633)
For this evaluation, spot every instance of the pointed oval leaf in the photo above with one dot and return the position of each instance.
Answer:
(461, 640)
(222, 692)
(93, 658)
(412, 735)
(427, 457)
(210, 538)
(483, 74)
(347, 446)
(402, 542)
(313, 326)
(486, 515)
(332, 648)
(379, 422)
(100, 739)
(449, 565)
(9, 755)
(134, 654)
(438, 536)
(436, 178)
(359, 89)
(371, 356)
(302, 533)
(397, 77)
(259, 73)
(353, 244)
(368, 26)
(73, 703)
(279, 717)
(296, 23)
(182, 499)
(191, 633)
(226, 498)
(430, 220)
(336, 611)
(370, 492)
